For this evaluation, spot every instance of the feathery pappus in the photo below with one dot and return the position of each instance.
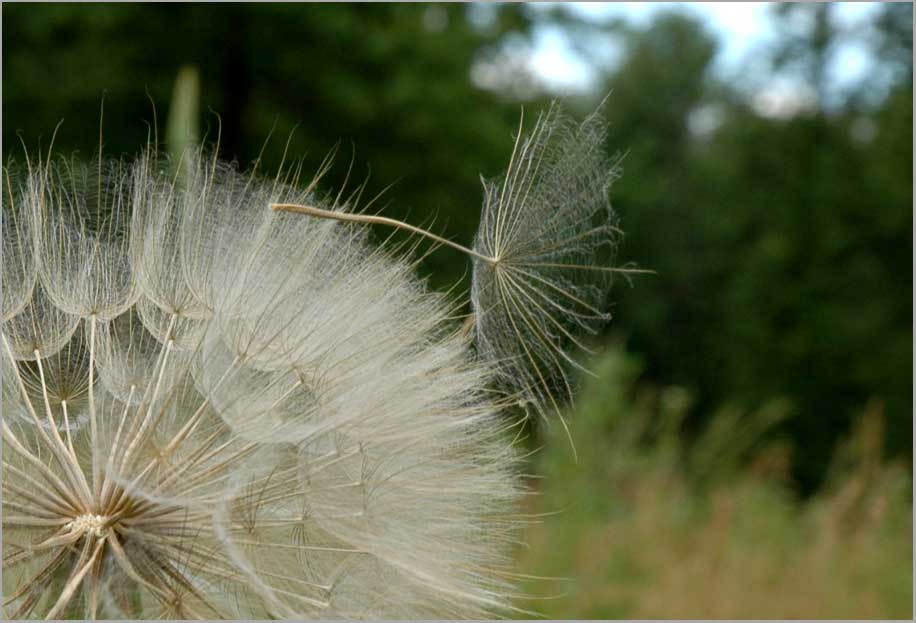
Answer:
(541, 260)
(214, 410)
(217, 410)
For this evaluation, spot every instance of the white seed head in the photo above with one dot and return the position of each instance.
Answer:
(214, 410)
(541, 258)
(549, 232)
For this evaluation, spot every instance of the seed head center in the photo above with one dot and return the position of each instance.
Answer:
(94, 525)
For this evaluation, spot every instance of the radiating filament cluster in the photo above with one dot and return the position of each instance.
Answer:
(212, 410)
(215, 407)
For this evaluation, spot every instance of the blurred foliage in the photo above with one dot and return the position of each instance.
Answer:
(782, 245)
(643, 526)
(183, 129)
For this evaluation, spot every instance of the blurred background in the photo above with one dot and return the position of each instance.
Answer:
(746, 448)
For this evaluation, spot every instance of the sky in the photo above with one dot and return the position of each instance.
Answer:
(742, 28)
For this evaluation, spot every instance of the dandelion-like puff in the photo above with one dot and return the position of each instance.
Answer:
(549, 234)
(542, 256)
(212, 410)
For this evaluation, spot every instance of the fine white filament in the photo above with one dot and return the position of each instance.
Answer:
(214, 410)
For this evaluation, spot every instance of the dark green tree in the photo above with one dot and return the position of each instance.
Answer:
(782, 245)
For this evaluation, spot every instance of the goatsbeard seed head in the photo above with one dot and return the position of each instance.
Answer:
(213, 410)
(550, 231)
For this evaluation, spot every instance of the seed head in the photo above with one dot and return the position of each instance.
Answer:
(547, 235)
(214, 410)
(541, 258)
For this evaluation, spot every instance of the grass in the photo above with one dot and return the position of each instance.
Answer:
(646, 525)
